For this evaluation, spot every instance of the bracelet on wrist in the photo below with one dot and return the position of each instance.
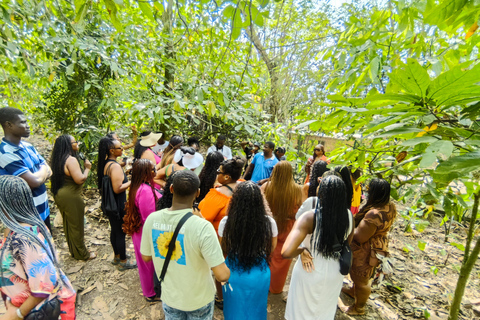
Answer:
(19, 313)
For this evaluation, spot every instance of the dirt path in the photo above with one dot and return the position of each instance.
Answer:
(411, 292)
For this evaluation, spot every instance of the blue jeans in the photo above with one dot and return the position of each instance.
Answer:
(204, 313)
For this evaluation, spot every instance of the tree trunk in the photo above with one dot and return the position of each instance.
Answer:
(467, 264)
(170, 49)
(274, 107)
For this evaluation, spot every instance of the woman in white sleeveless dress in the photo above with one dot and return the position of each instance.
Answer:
(314, 288)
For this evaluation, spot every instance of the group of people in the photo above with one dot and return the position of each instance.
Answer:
(241, 218)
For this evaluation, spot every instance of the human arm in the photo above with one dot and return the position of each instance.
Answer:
(35, 180)
(146, 244)
(160, 177)
(301, 228)
(25, 308)
(74, 170)
(263, 182)
(250, 168)
(308, 166)
(221, 272)
(364, 231)
(117, 177)
(134, 139)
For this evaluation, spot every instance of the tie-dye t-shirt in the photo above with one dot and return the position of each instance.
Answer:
(28, 271)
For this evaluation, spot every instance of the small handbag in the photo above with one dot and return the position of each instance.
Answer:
(171, 247)
(50, 310)
(109, 203)
(345, 256)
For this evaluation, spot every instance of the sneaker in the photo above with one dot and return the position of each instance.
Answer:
(122, 266)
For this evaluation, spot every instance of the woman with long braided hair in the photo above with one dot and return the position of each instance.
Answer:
(31, 278)
(141, 202)
(314, 289)
(67, 180)
(248, 236)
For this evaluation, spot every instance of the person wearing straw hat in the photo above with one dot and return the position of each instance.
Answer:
(185, 158)
(147, 141)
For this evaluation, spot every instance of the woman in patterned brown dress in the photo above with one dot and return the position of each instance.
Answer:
(373, 222)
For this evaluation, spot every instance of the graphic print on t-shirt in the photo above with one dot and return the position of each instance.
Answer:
(161, 239)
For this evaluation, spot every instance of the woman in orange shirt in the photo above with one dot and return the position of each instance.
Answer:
(214, 206)
(318, 154)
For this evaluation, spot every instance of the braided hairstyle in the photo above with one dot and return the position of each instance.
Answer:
(347, 179)
(318, 169)
(62, 149)
(16, 207)
(167, 198)
(247, 238)
(104, 147)
(208, 175)
(331, 216)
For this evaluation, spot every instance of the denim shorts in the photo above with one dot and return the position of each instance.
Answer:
(204, 313)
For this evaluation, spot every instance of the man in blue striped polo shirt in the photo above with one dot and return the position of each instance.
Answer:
(19, 158)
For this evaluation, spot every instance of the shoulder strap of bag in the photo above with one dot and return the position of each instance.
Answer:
(108, 169)
(171, 245)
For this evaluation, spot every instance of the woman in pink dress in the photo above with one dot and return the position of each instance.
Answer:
(141, 202)
(143, 148)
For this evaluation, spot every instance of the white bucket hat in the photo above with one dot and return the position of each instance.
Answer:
(190, 161)
(150, 140)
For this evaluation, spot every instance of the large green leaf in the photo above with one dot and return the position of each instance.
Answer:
(412, 77)
(146, 9)
(444, 11)
(450, 82)
(457, 166)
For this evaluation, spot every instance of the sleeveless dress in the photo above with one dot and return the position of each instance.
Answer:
(70, 203)
(314, 295)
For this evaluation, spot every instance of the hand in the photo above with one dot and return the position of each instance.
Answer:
(307, 261)
(88, 164)
(309, 162)
(48, 171)
(197, 213)
(11, 313)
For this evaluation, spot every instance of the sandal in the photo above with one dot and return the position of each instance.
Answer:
(126, 265)
(219, 303)
(153, 299)
(92, 256)
(116, 260)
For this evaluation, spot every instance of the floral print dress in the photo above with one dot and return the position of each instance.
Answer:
(26, 270)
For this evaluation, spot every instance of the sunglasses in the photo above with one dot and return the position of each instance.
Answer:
(317, 149)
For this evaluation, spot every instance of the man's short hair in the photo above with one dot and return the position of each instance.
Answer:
(270, 144)
(9, 114)
(185, 183)
(222, 137)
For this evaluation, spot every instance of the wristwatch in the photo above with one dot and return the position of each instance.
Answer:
(19, 313)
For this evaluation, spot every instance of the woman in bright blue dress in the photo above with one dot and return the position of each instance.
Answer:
(248, 236)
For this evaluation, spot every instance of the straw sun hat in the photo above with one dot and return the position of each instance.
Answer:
(150, 140)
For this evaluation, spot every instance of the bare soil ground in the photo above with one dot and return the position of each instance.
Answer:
(413, 291)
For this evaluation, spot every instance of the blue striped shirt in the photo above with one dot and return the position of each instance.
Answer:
(16, 160)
